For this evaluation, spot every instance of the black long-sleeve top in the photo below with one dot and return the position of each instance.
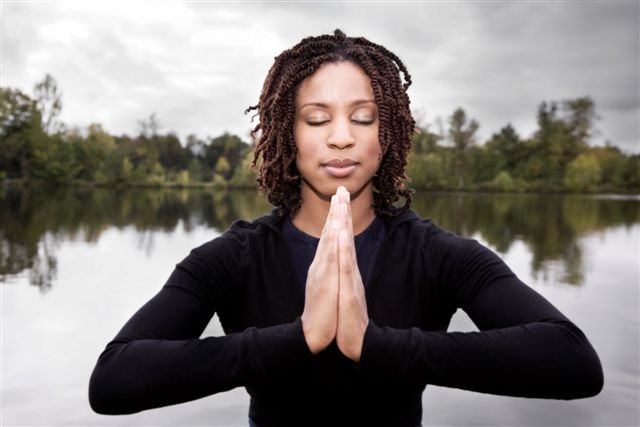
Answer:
(423, 274)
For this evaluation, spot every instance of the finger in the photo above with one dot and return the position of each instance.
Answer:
(328, 224)
(342, 217)
(349, 215)
(344, 194)
(348, 221)
(345, 199)
(345, 261)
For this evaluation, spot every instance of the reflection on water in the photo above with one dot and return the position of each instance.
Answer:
(34, 222)
(94, 257)
(549, 225)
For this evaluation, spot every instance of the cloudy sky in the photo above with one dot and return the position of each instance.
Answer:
(199, 64)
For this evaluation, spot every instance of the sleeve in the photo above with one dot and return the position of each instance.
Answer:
(524, 347)
(158, 359)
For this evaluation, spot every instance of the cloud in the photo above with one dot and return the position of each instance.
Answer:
(198, 65)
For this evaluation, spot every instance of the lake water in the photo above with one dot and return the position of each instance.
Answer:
(76, 264)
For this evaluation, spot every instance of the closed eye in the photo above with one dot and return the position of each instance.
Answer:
(317, 123)
(363, 122)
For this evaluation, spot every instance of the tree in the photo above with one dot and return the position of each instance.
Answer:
(244, 176)
(503, 152)
(149, 127)
(21, 134)
(428, 171)
(49, 102)
(222, 167)
(171, 154)
(126, 170)
(425, 141)
(580, 114)
(195, 169)
(183, 178)
(563, 134)
(547, 151)
(503, 181)
(157, 175)
(462, 134)
(627, 173)
(583, 173)
(227, 145)
(94, 150)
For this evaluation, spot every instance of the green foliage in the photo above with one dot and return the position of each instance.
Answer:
(627, 173)
(49, 102)
(503, 152)
(222, 167)
(126, 171)
(156, 175)
(583, 173)
(429, 171)
(244, 176)
(563, 133)
(425, 141)
(557, 157)
(58, 163)
(218, 181)
(183, 178)
(503, 181)
(228, 146)
(195, 168)
(462, 134)
(20, 133)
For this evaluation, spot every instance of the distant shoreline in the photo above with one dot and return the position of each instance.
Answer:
(21, 184)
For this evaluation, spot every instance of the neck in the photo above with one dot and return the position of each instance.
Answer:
(313, 212)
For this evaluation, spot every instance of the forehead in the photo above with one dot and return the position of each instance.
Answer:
(335, 82)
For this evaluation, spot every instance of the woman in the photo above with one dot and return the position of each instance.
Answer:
(324, 328)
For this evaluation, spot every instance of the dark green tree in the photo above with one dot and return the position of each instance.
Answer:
(49, 102)
(21, 134)
(462, 134)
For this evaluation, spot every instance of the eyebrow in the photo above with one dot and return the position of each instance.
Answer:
(324, 105)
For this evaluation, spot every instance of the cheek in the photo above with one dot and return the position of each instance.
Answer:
(305, 149)
(374, 149)
(298, 140)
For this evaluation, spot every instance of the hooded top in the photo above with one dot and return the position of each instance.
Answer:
(422, 275)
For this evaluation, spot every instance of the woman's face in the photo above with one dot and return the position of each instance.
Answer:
(336, 131)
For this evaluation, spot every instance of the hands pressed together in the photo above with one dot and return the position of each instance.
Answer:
(335, 305)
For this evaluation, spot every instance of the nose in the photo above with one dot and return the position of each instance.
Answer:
(340, 136)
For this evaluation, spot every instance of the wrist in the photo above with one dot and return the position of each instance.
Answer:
(315, 342)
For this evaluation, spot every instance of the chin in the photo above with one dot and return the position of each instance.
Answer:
(324, 192)
(356, 189)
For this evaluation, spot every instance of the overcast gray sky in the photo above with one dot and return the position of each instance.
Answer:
(198, 65)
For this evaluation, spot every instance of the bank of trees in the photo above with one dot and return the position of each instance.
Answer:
(36, 147)
(557, 157)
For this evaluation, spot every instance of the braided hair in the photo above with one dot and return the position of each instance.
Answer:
(275, 149)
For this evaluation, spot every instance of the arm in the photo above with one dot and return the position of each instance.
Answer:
(525, 346)
(157, 358)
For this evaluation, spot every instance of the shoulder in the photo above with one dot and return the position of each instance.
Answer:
(411, 229)
(260, 228)
(447, 255)
(436, 248)
(240, 237)
(224, 258)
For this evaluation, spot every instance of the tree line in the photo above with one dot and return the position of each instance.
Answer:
(37, 220)
(36, 147)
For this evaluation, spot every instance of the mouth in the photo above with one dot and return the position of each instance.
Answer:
(339, 168)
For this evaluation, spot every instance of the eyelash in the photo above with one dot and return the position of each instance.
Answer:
(357, 122)
(364, 122)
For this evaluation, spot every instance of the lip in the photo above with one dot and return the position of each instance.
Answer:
(340, 163)
(340, 168)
